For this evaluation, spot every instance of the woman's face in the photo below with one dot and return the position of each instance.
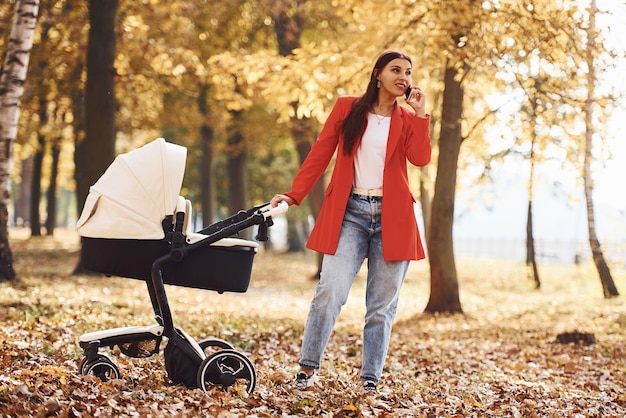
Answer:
(395, 77)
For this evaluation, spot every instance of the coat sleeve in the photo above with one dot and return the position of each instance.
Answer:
(316, 162)
(418, 147)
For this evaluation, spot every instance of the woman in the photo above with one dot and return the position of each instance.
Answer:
(367, 210)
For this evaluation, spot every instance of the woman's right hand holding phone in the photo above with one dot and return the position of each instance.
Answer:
(416, 98)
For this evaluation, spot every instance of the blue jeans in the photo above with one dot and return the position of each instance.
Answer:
(360, 238)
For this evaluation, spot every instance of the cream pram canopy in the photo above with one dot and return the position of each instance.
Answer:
(134, 195)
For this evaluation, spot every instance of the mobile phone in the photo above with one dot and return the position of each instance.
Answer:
(407, 93)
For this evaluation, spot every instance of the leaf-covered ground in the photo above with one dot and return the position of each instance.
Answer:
(499, 359)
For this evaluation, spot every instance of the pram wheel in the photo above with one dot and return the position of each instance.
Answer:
(85, 360)
(227, 367)
(211, 345)
(103, 368)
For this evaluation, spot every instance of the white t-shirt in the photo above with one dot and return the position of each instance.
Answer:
(369, 161)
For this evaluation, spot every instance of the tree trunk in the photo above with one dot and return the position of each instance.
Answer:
(78, 126)
(207, 182)
(444, 289)
(296, 235)
(51, 194)
(606, 279)
(425, 201)
(237, 178)
(531, 256)
(531, 259)
(40, 151)
(35, 186)
(95, 152)
(11, 89)
(236, 170)
(21, 215)
(303, 133)
(608, 285)
(288, 27)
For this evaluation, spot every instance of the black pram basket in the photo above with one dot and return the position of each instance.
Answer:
(134, 224)
(212, 267)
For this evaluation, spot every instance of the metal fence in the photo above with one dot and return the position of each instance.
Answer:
(547, 251)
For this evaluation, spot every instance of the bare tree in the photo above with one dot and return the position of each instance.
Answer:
(11, 89)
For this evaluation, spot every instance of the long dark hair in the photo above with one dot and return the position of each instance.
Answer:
(354, 124)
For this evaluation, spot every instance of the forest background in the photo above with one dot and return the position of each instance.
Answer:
(529, 87)
(245, 86)
(256, 80)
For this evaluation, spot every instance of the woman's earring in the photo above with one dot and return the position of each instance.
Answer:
(378, 84)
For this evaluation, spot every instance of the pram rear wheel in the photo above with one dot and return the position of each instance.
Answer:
(103, 368)
(211, 345)
(227, 368)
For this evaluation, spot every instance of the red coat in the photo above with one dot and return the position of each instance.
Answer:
(409, 138)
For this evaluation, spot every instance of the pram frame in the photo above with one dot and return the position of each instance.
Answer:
(260, 215)
(225, 228)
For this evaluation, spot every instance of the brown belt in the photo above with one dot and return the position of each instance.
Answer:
(367, 192)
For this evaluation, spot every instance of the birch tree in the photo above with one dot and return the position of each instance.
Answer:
(606, 279)
(11, 89)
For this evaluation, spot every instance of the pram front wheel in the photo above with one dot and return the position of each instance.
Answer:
(85, 360)
(227, 368)
(103, 368)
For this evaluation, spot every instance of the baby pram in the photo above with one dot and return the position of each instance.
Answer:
(134, 224)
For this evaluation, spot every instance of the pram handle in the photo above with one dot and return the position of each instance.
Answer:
(264, 210)
(268, 210)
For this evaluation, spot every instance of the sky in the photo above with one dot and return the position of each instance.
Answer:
(610, 180)
(559, 208)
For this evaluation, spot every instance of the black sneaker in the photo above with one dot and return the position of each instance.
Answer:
(368, 387)
(304, 381)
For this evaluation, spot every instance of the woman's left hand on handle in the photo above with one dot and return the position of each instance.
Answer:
(281, 198)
